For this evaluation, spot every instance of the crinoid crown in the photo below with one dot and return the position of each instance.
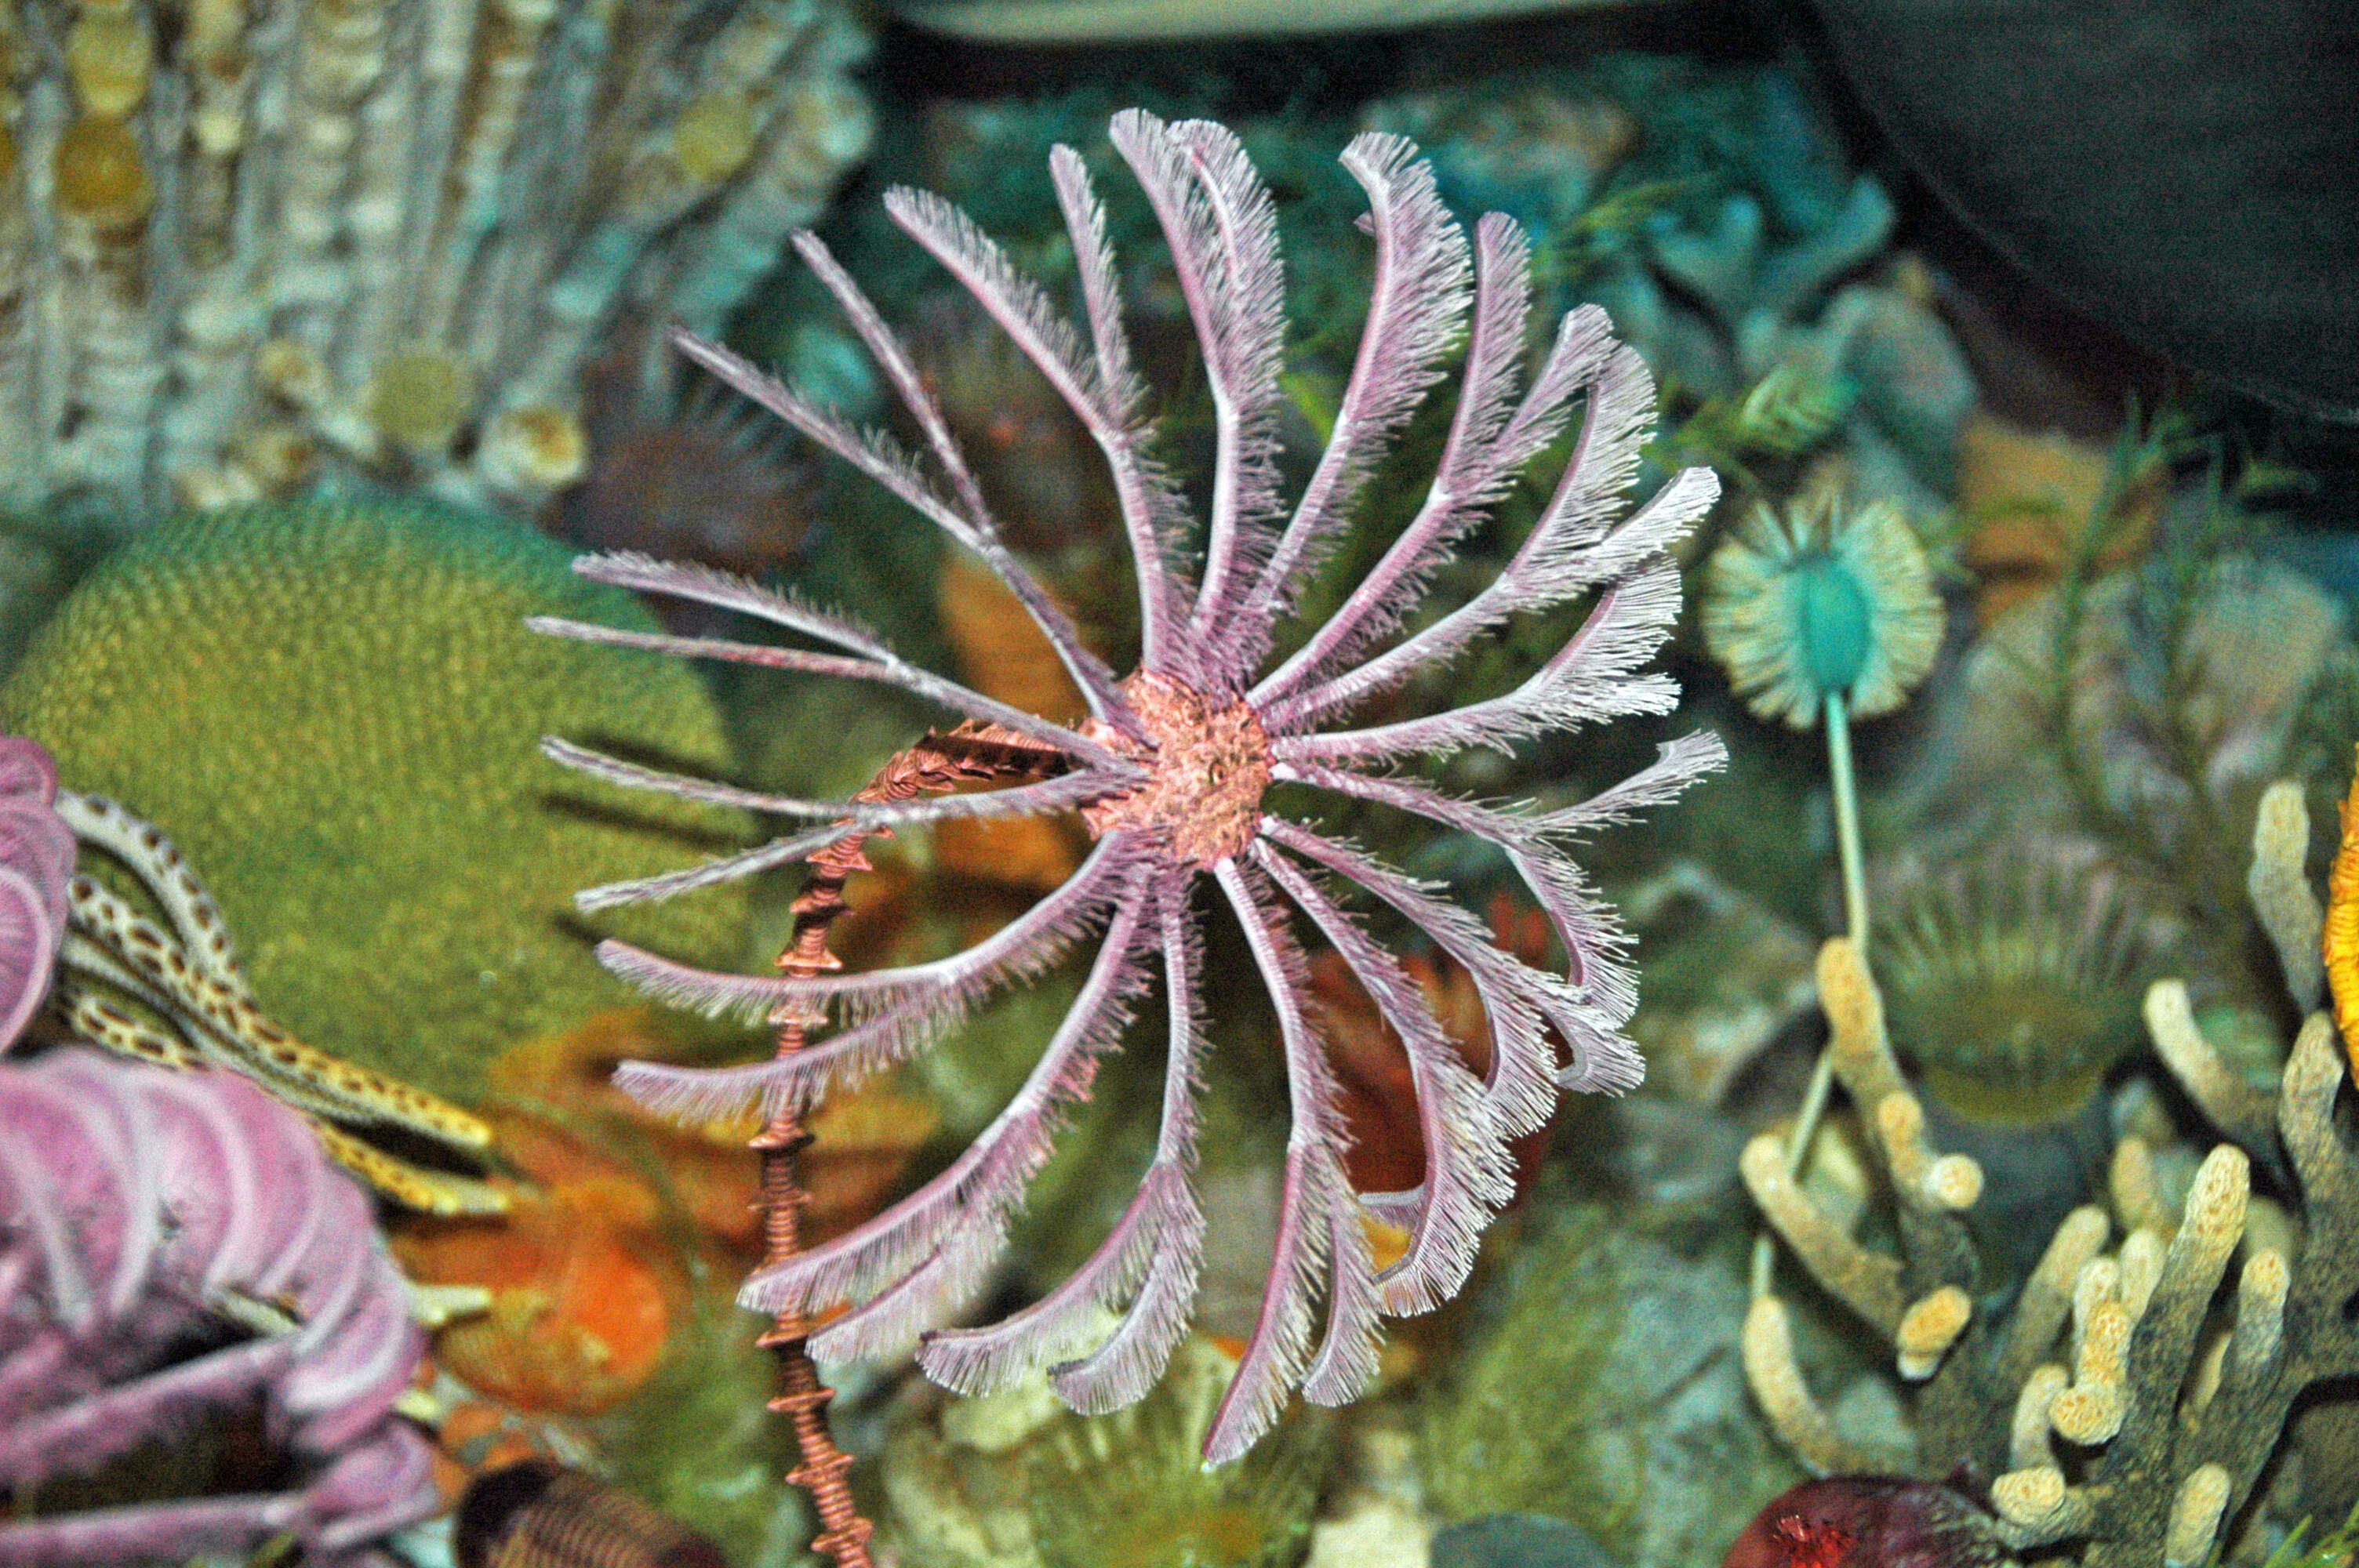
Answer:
(1170, 769)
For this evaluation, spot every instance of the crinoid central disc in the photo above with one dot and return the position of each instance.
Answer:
(1206, 774)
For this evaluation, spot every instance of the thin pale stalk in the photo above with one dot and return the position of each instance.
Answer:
(1854, 880)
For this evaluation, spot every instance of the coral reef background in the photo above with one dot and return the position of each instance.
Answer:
(243, 248)
(406, 251)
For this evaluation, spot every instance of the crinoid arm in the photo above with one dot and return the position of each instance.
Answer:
(1417, 305)
(1217, 216)
(1570, 550)
(1318, 1229)
(868, 660)
(900, 1010)
(1103, 393)
(1468, 1175)
(1146, 1267)
(927, 1253)
(965, 519)
(1486, 447)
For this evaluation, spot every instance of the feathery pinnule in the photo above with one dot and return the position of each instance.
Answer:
(1171, 768)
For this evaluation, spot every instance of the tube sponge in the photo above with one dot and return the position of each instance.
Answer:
(335, 709)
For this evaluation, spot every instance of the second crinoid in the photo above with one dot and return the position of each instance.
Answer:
(1171, 772)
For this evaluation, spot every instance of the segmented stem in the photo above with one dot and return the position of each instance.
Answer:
(934, 765)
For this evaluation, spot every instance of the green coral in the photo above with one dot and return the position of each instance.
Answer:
(334, 709)
(698, 1443)
(1603, 1386)
(1013, 1480)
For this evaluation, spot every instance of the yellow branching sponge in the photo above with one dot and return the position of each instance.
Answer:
(335, 710)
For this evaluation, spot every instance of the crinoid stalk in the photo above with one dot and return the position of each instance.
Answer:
(1171, 768)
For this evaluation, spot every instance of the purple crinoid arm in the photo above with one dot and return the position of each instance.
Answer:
(1146, 1267)
(1217, 217)
(1568, 550)
(134, 1202)
(1317, 1216)
(1171, 770)
(1414, 308)
(37, 860)
(930, 1249)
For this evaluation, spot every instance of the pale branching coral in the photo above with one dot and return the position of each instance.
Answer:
(1171, 767)
(1823, 602)
(2169, 1401)
(242, 246)
(145, 1212)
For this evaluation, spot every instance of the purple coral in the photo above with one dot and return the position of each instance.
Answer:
(143, 1210)
(37, 860)
(1171, 771)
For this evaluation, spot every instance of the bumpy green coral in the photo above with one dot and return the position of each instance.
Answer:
(1603, 1386)
(335, 710)
(1013, 1480)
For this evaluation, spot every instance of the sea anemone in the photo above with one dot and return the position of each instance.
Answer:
(143, 1212)
(2015, 983)
(1171, 767)
(1823, 603)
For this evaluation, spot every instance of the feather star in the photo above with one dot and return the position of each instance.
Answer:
(1171, 768)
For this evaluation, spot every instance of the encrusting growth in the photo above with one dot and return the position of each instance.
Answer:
(1171, 767)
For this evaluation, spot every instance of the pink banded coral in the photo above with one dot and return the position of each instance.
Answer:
(1171, 766)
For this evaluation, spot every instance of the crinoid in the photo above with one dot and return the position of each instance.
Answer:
(1171, 767)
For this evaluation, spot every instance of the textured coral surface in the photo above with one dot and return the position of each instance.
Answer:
(331, 709)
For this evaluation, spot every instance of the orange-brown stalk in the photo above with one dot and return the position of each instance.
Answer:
(933, 766)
